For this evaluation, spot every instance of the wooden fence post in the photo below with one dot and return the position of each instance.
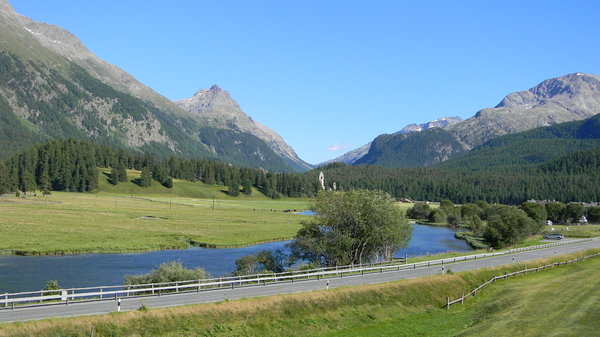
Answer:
(447, 302)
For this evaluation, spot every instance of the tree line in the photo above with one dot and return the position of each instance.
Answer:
(502, 225)
(71, 165)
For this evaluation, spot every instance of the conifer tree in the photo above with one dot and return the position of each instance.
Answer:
(145, 179)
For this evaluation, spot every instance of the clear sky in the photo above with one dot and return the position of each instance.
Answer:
(329, 76)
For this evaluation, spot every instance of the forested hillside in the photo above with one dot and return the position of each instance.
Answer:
(540, 164)
(531, 147)
(415, 149)
(72, 165)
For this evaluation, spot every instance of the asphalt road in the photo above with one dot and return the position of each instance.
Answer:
(205, 296)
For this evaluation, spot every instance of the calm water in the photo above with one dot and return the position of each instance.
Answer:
(29, 273)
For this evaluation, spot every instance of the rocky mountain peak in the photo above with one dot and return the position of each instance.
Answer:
(5, 7)
(558, 89)
(215, 107)
(436, 123)
(557, 100)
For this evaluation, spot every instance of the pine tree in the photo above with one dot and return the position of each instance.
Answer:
(145, 179)
(114, 176)
(234, 187)
(122, 172)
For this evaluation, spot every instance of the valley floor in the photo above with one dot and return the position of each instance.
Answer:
(68, 223)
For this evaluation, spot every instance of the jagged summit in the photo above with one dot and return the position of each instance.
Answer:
(566, 98)
(215, 106)
(436, 123)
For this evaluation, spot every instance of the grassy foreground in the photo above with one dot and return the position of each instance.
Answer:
(562, 301)
(127, 217)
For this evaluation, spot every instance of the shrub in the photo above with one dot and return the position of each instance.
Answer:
(168, 272)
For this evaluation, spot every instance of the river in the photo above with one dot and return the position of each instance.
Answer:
(30, 273)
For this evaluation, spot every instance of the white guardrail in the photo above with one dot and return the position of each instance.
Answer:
(99, 293)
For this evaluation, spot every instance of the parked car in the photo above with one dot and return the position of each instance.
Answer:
(555, 236)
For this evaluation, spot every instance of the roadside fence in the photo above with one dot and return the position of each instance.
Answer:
(103, 293)
(473, 293)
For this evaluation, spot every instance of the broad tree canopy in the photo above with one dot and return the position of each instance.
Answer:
(352, 227)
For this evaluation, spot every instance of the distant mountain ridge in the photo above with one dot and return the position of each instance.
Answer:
(353, 156)
(54, 87)
(567, 98)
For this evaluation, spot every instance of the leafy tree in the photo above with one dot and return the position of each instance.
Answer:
(475, 224)
(469, 210)
(420, 210)
(453, 219)
(535, 211)
(507, 226)
(555, 211)
(447, 205)
(593, 214)
(573, 212)
(351, 227)
(265, 261)
(438, 216)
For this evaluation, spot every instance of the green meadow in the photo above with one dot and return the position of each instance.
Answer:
(126, 218)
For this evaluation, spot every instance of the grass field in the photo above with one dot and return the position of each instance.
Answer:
(127, 217)
(574, 231)
(561, 301)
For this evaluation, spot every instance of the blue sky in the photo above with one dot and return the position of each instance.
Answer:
(332, 75)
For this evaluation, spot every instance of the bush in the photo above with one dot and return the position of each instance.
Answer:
(438, 216)
(168, 272)
(52, 285)
(420, 210)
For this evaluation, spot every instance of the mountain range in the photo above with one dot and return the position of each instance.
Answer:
(567, 98)
(54, 87)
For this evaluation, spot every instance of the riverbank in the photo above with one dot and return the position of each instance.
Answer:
(401, 308)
